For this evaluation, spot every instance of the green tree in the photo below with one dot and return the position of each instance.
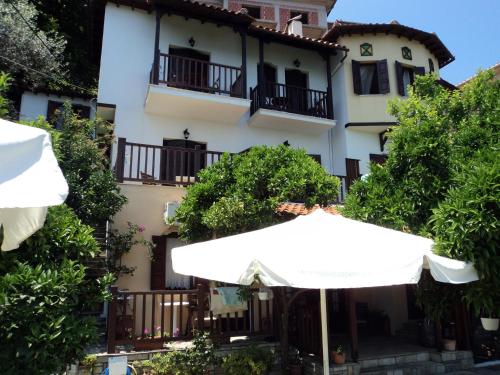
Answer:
(241, 193)
(441, 176)
(4, 101)
(43, 290)
(24, 47)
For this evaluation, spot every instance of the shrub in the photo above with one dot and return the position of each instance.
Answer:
(250, 361)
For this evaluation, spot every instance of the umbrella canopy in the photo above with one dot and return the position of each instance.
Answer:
(30, 181)
(320, 251)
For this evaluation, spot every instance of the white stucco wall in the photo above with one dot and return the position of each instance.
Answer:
(35, 105)
(373, 108)
(124, 79)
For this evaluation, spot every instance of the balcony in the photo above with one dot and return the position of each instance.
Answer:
(285, 107)
(196, 89)
(155, 165)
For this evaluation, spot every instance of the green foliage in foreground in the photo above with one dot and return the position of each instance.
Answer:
(249, 361)
(195, 360)
(442, 178)
(241, 192)
(43, 290)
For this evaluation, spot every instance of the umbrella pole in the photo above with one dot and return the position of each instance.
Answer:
(324, 332)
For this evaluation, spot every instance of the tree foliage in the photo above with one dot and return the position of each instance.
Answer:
(241, 192)
(27, 47)
(43, 290)
(441, 177)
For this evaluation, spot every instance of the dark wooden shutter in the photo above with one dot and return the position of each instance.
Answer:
(383, 77)
(158, 263)
(419, 70)
(352, 171)
(378, 158)
(431, 65)
(399, 77)
(356, 77)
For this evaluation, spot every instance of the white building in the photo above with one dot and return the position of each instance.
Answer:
(184, 81)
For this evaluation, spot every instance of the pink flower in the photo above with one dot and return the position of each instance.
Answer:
(146, 331)
(142, 228)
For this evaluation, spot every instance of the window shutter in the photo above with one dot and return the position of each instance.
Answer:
(383, 77)
(356, 76)
(158, 263)
(419, 70)
(431, 65)
(399, 76)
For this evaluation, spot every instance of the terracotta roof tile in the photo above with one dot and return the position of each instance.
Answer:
(300, 209)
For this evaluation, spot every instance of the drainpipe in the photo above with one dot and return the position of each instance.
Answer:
(330, 132)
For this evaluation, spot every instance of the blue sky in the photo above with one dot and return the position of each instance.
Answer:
(469, 28)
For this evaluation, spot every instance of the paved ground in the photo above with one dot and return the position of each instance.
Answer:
(492, 370)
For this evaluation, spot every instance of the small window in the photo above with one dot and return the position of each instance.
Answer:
(406, 53)
(253, 11)
(366, 49)
(431, 65)
(369, 79)
(408, 78)
(305, 16)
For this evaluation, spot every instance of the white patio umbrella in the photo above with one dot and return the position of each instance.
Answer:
(30, 181)
(320, 251)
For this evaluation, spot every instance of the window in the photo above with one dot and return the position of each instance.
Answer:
(370, 77)
(253, 11)
(305, 16)
(54, 109)
(406, 52)
(431, 65)
(406, 76)
(366, 49)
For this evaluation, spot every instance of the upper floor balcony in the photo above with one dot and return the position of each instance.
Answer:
(184, 83)
(289, 107)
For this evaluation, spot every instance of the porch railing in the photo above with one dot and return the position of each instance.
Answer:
(197, 75)
(293, 99)
(143, 319)
(151, 164)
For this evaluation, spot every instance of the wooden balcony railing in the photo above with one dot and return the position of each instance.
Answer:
(291, 99)
(151, 164)
(147, 320)
(197, 75)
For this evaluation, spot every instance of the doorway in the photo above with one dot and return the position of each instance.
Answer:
(179, 161)
(296, 90)
(188, 68)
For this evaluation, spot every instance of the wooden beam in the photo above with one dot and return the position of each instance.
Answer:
(244, 64)
(353, 324)
(261, 80)
(329, 95)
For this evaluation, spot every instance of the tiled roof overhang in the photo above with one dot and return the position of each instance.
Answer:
(293, 40)
(191, 9)
(298, 209)
(430, 40)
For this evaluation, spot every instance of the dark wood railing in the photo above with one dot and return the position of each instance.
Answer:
(197, 75)
(291, 99)
(147, 320)
(151, 164)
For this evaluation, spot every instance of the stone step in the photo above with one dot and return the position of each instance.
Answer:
(416, 368)
(391, 360)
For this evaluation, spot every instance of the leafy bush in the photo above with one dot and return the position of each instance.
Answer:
(241, 192)
(250, 361)
(196, 360)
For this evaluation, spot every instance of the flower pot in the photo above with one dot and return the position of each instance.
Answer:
(338, 358)
(449, 345)
(490, 324)
(295, 369)
(148, 345)
(263, 296)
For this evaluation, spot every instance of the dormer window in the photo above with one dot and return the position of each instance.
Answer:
(305, 16)
(253, 11)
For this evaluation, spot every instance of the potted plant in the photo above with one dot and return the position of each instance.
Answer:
(265, 294)
(87, 364)
(338, 355)
(483, 298)
(296, 364)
